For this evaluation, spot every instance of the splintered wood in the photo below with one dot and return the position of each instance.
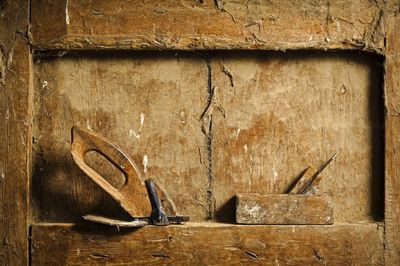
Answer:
(253, 208)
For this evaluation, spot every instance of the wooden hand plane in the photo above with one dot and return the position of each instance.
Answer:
(143, 199)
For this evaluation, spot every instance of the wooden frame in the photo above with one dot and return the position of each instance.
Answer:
(363, 25)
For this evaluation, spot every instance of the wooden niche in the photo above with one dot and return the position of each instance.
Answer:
(212, 125)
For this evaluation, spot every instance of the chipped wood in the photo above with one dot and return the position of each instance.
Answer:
(209, 244)
(208, 24)
(254, 208)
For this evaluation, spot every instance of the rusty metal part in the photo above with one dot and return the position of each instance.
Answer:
(158, 215)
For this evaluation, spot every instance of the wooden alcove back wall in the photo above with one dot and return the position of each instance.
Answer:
(276, 113)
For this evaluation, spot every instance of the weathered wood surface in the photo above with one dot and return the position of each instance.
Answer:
(392, 141)
(254, 208)
(305, 178)
(208, 244)
(208, 24)
(149, 105)
(15, 131)
(277, 113)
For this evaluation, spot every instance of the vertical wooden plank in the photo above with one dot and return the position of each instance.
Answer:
(15, 131)
(148, 104)
(283, 112)
(392, 154)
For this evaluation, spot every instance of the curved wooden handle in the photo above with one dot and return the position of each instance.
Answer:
(132, 196)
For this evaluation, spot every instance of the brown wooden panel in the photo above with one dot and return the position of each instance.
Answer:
(208, 24)
(15, 131)
(149, 105)
(208, 244)
(392, 154)
(254, 208)
(278, 113)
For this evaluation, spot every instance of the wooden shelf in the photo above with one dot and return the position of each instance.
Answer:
(208, 243)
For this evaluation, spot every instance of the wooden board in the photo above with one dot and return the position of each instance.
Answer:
(208, 244)
(15, 131)
(148, 105)
(254, 208)
(303, 182)
(282, 112)
(208, 24)
(392, 141)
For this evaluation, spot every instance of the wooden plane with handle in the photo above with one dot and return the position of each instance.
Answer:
(144, 200)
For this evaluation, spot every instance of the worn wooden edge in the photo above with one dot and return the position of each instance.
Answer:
(208, 243)
(300, 185)
(213, 25)
(392, 142)
(16, 104)
(89, 43)
(290, 209)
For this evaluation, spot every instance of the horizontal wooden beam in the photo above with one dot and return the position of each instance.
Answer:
(208, 243)
(207, 24)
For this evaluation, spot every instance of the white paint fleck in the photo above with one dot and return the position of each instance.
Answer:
(245, 147)
(253, 211)
(88, 124)
(7, 113)
(338, 26)
(132, 133)
(183, 117)
(328, 39)
(274, 175)
(145, 163)
(141, 121)
(311, 38)
(66, 13)
(45, 83)
(78, 252)
(2, 174)
(274, 172)
(237, 133)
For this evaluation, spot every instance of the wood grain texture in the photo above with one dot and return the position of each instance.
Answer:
(208, 24)
(15, 131)
(149, 105)
(208, 244)
(392, 141)
(254, 208)
(283, 112)
(304, 179)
